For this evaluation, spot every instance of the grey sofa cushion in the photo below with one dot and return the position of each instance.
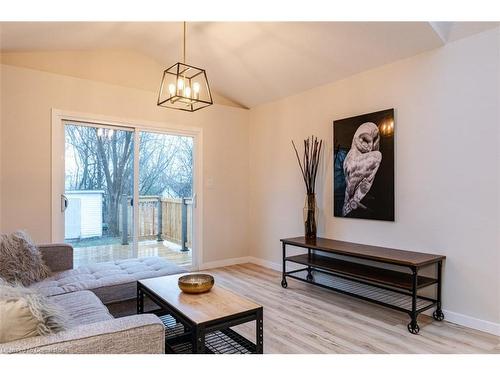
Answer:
(110, 281)
(81, 308)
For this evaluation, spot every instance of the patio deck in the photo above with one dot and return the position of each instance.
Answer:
(105, 253)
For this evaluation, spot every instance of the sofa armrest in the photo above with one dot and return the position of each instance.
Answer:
(58, 257)
(136, 334)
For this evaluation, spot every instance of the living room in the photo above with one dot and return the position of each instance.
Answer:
(281, 186)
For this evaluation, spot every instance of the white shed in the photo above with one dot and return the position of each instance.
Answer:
(83, 217)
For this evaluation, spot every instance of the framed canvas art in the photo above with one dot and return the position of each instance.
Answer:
(363, 166)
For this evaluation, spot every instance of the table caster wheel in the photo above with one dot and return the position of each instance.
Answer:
(413, 328)
(438, 315)
(284, 284)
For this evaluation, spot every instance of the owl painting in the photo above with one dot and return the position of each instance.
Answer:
(364, 166)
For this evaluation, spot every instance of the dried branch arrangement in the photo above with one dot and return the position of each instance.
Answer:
(310, 161)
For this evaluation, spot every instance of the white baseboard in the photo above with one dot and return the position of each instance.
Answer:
(450, 316)
(471, 322)
(225, 262)
(272, 265)
(265, 263)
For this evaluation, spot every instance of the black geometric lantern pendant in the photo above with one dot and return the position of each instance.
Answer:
(184, 87)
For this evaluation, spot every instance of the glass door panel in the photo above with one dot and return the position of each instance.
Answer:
(99, 176)
(165, 197)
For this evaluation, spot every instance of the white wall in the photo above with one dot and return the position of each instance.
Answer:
(447, 166)
(1, 126)
(27, 97)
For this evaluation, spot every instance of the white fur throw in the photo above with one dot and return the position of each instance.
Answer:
(34, 314)
(20, 259)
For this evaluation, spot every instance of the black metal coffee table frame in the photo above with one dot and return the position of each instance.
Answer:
(192, 337)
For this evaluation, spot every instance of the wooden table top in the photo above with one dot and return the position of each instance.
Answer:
(199, 308)
(377, 253)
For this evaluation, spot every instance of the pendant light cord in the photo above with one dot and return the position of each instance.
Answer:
(184, 46)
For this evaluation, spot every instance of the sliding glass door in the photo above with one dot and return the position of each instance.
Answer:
(114, 211)
(98, 190)
(165, 196)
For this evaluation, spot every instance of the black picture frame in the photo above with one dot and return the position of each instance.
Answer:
(363, 179)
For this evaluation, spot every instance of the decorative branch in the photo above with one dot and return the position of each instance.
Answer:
(300, 165)
(310, 161)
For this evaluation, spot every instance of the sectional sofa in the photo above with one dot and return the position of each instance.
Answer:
(84, 293)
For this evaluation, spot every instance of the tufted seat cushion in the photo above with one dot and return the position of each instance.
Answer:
(110, 281)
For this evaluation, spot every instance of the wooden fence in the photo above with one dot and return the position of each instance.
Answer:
(159, 218)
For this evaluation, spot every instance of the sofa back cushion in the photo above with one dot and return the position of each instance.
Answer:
(26, 313)
(20, 259)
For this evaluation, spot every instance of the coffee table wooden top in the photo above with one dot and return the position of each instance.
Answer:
(199, 308)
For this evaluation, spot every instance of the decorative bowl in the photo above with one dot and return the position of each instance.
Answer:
(196, 283)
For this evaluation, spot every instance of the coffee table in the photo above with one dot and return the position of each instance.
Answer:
(201, 323)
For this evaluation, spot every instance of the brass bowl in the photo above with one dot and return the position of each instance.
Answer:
(196, 283)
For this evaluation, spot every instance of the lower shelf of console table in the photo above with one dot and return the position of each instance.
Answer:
(390, 288)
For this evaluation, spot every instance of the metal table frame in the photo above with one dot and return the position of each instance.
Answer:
(196, 332)
(413, 326)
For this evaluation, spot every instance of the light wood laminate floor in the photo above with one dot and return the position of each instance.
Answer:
(308, 319)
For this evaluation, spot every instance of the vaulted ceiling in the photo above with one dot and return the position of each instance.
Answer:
(249, 62)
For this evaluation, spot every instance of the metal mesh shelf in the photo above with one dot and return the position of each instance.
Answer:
(225, 341)
(182, 348)
(369, 292)
(172, 327)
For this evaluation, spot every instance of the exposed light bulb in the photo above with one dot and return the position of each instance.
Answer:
(171, 89)
(110, 133)
(187, 92)
(196, 89)
(99, 132)
(180, 86)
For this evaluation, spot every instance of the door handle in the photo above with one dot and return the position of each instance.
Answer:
(64, 202)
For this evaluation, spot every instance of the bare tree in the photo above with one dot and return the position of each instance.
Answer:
(114, 154)
(165, 165)
(100, 161)
(155, 160)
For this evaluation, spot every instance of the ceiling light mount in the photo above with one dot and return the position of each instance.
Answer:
(184, 87)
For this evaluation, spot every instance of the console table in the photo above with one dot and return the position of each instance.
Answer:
(390, 288)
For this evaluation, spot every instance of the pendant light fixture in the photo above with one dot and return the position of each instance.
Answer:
(184, 87)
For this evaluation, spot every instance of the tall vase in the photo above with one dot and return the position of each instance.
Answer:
(310, 217)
